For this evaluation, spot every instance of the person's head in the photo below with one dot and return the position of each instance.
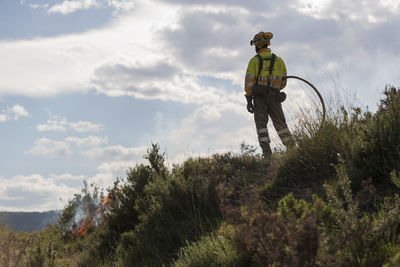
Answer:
(261, 40)
(258, 49)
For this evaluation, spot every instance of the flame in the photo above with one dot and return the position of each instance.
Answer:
(106, 200)
(86, 225)
(91, 218)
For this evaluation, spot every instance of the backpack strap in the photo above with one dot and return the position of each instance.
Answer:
(260, 65)
(271, 69)
(271, 66)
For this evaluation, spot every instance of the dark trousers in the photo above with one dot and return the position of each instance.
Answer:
(270, 106)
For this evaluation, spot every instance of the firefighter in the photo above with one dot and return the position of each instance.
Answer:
(263, 82)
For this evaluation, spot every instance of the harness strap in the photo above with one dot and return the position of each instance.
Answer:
(271, 69)
(260, 66)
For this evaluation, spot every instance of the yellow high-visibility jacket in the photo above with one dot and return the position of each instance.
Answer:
(279, 71)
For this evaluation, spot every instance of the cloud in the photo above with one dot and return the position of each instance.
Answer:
(113, 161)
(37, 192)
(49, 148)
(114, 153)
(212, 34)
(44, 62)
(67, 177)
(209, 128)
(115, 166)
(38, 6)
(70, 6)
(121, 5)
(60, 124)
(138, 56)
(55, 123)
(3, 118)
(13, 113)
(85, 126)
(366, 11)
(103, 179)
(33, 193)
(89, 141)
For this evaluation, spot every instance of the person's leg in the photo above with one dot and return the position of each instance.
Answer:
(278, 119)
(261, 121)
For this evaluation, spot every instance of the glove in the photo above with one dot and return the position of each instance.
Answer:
(250, 106)
(281, 96)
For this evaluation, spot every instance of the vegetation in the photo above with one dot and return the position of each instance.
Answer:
(332, 200)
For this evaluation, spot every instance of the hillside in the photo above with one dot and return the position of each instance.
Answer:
(28, 221)
(333, 200)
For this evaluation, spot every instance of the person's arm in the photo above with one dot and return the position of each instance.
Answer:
(249, 81)
(251, 75)
(283, 83)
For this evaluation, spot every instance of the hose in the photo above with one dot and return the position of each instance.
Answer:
(319, 96)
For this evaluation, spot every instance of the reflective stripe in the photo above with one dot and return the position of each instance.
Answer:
(264, 139)
(249, 84)
(263, 83)
(250, 80)
(284, 131)
(272, 84)
(278, 78)
(248, 75)
(263, 130)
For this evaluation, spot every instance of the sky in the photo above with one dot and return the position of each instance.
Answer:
(86, 86)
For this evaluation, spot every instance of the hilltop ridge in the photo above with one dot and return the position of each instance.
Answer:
(332, 200)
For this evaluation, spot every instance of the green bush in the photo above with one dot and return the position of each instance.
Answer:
(180, 206)
(373, 151)
(172, 210)
(209, 251)
(304, 169)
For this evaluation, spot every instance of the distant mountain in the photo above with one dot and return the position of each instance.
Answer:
(29, 221)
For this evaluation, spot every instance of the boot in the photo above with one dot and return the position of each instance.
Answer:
(289, 142)
(267, 153)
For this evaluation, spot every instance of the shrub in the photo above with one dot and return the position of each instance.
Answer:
(173, 209)
(304, 169)
(210, 250)
(374, 147)
(179, 206)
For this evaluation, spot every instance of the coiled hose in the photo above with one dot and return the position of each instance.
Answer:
(316, 91)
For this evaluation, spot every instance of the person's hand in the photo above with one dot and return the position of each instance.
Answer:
(250, 106)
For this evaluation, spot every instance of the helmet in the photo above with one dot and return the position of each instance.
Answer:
(261, 39)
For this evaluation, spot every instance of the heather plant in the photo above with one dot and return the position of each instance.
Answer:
(304, 169)
(271, 239)
(357, 237)
(373, 151)
(332, 232)
(211, 250)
